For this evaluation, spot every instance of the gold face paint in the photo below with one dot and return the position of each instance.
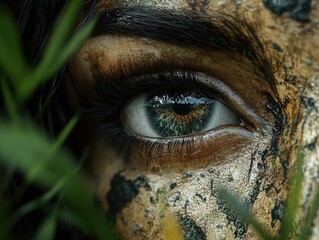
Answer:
(270, 88)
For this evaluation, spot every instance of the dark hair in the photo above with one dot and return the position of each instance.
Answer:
(35, 20)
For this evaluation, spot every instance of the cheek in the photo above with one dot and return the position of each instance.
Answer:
(141, 203)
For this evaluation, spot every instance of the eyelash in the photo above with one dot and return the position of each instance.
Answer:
(118, 92)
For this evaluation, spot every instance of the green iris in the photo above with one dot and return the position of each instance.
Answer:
(174, 113)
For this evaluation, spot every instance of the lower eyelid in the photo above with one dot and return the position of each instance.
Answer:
(194, 151)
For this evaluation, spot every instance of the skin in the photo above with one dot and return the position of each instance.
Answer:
(182, 185)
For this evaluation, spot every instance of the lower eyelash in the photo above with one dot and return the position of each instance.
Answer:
(176, 145)
(125, 142)
(118, 137)
(167, 154)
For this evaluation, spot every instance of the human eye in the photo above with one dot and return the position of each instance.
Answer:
(170, 113)
(174, 116)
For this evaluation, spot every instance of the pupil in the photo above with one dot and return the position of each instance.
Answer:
(182, 109)
(178, 112)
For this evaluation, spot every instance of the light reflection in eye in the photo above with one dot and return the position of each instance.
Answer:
(175, 112)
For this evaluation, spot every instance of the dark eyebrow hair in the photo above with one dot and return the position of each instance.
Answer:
(223, 33)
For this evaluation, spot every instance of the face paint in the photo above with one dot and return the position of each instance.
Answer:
(153, 52)
(297, 9)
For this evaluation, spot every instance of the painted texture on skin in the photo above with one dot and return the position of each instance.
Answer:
(191, 229)
(123, 191)
(277, 212)
(269, 192)
(297, 9)
(189, 202)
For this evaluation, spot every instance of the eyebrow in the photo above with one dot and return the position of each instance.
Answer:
(221, 32)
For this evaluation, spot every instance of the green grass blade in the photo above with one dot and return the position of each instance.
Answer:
(9, 101)
(47, 229)
(12, 59)
(25, 148)
(73, 44)
(58, 50)
(293, 201)
(43, 72)
(61, 31)
(312, 211)
(54, 148)
(63, 135)
(38, 202)
(242, 212)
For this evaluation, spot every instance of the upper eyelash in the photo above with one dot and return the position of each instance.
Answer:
(115, 93)
(176, 78)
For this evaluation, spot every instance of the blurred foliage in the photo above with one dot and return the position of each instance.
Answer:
(26, 150)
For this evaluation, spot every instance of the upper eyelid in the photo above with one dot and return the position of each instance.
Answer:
(130, 66)
(222, 33)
